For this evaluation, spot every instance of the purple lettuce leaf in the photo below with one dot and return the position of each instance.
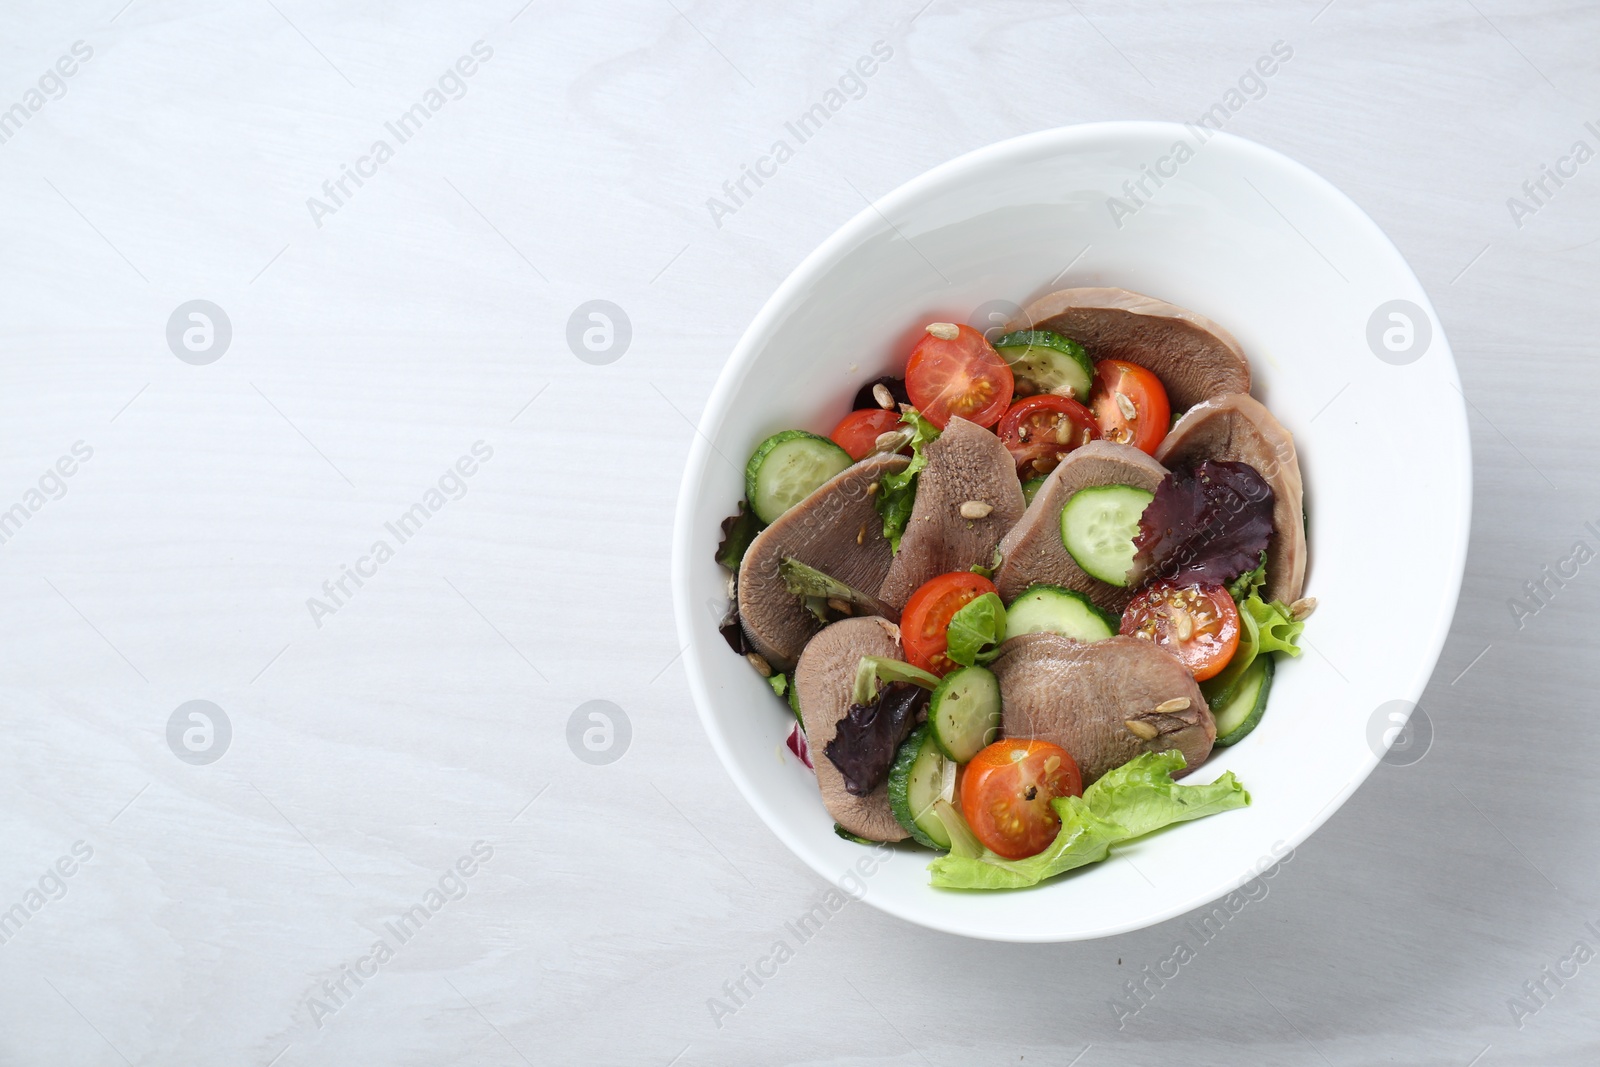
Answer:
(1207, 527)
(732, 630)
(870, 734)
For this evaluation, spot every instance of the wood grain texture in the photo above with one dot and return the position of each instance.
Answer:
(375, 344)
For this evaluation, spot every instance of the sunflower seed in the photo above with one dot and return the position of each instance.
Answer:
(1125, 406)
(944, 331)
(881, 394)
(759, 662)
(976, 509)
(892, 440)
(843, 607)
(1142, 730)
(1167, 707)
(1301, 609)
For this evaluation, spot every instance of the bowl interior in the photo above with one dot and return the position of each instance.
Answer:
(1219, 225)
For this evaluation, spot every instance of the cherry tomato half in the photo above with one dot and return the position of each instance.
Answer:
(1142, 415)
(1197, 623)
(962, 376)
(858, 431)
(1041, 430)
(927, 616)
(1006, 792)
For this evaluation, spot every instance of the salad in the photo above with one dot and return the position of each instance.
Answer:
(1027, 585)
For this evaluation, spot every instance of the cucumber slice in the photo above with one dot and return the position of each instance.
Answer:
(1098, 526)
(1052, 609)
(964, 712)
(786, 468)
(1030, 487)
(920, 777)
(1054, 364)
(1243, 710)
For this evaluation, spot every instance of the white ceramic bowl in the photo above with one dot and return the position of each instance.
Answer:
(1299, 274)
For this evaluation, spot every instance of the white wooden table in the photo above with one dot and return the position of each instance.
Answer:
(391, 766)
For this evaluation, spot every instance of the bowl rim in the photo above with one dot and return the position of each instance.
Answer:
(873, 218)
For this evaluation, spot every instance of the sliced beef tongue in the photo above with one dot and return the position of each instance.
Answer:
(1193, 356)
(1105, 702)
(823, 682)
(1033, 552)
(1238, 427)
(967, 498)
(835, 530)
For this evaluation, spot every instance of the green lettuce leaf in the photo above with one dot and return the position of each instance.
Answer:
(1083, 838)
(875, 671)
(815, 588)
(1140, 796)
(1276, 629)
(1263, 627)
(976, 631)
(780, 684)
(897, 493)
(1248, 583)
(1136, 798)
